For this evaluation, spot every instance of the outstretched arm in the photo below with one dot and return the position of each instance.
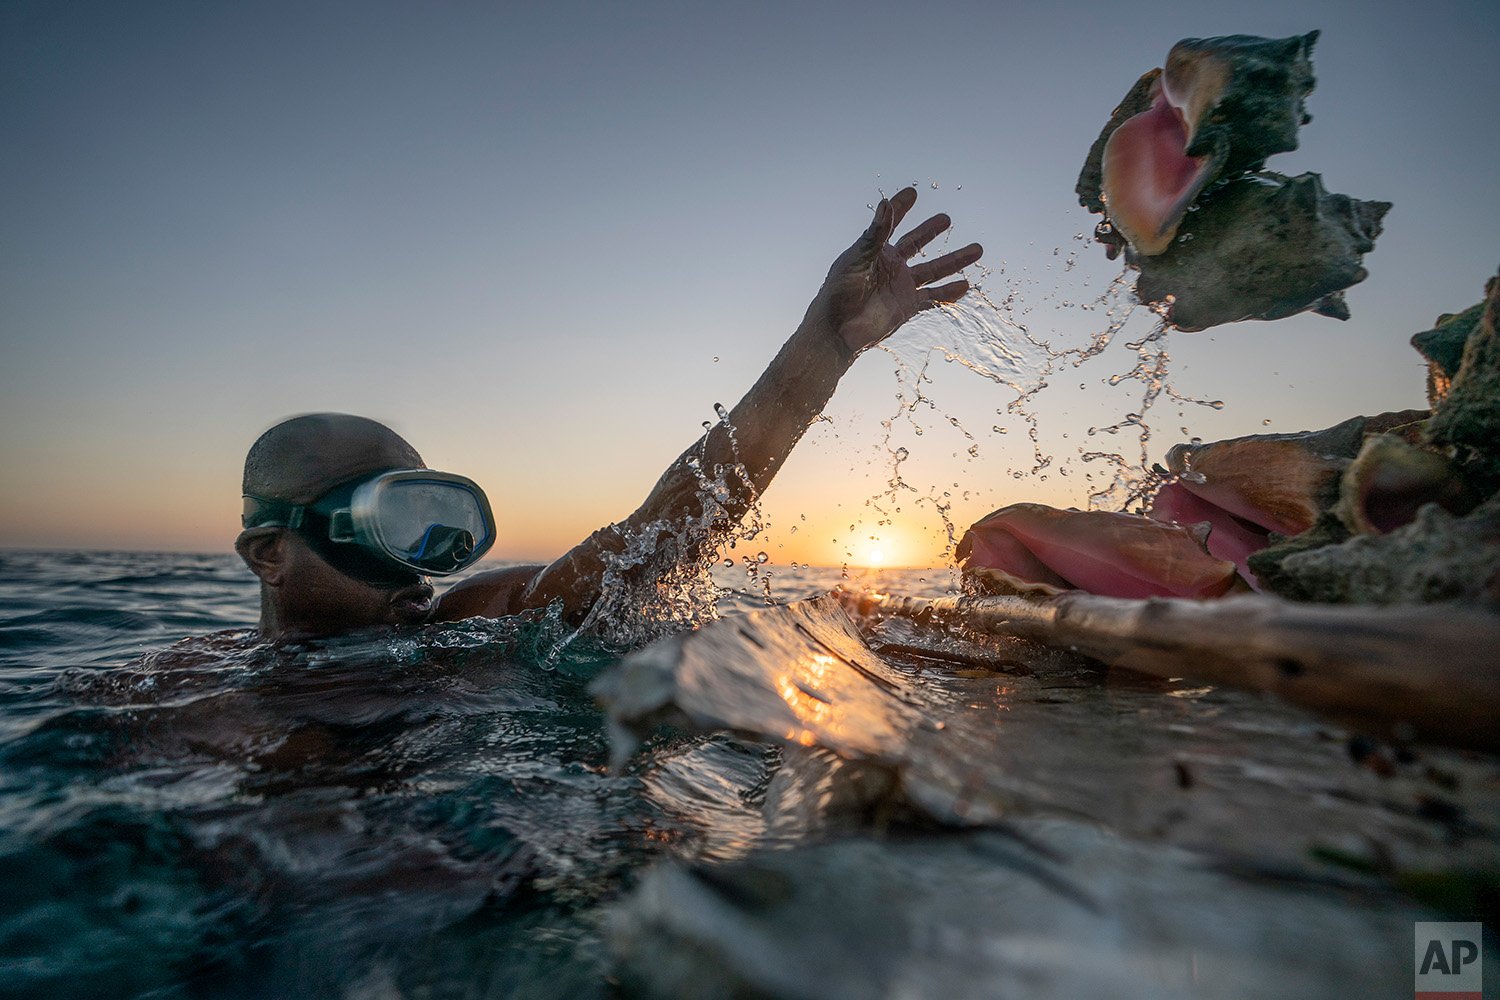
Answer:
(869, 292)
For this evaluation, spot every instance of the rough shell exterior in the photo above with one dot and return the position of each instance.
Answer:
(1263, 246)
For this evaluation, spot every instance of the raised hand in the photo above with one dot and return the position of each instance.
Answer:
(871, 290)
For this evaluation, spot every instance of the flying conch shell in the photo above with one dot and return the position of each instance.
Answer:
(1264, 246)
(1035, 549)
(1220, 106)
(1193, 137)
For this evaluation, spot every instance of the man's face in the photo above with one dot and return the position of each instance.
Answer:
(315, 592)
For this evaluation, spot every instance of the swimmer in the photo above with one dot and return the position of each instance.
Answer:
(344, 525)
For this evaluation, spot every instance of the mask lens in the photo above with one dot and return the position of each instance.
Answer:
(437, 526)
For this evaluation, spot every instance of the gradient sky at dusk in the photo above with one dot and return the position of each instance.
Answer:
(541, 241)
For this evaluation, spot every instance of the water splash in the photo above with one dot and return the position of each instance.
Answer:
(661, 579)
(1017, 329)
(996, 333)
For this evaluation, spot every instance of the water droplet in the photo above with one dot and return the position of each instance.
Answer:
(1184, 237)
(761, 557)
(1266, 422)
(716, 359)
(934, 185)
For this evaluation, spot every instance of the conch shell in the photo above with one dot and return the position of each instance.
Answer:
(1220, 106)
(1193, 137)
(1276, 483)
(1466, 422)
(1035, 549)
(1247, 489)
(1263, 246)
(1443, 347)
(1391, 480)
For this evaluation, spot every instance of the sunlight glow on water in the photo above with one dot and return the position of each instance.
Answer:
(434, 810)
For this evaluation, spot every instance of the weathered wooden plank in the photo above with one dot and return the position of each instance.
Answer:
(1416, 671)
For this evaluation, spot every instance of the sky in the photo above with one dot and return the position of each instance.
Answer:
(541, 241)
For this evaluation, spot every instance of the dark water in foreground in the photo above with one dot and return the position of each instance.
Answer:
(424, 814)
(896, 812)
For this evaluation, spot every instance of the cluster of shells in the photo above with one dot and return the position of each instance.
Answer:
(1397, 507)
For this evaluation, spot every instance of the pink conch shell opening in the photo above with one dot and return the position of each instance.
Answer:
(1229, 537)
(1276, 484)
(1148, 179)
(1102, 552)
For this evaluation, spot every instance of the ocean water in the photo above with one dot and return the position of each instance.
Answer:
(433, 813)
(184, 813)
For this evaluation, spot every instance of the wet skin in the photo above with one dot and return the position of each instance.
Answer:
(303, 596)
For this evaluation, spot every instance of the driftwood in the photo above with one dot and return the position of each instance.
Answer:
(1412, 672)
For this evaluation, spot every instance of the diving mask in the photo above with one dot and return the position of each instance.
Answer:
(385, 527)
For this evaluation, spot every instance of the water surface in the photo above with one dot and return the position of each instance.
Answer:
(432, 813)
(185, 812)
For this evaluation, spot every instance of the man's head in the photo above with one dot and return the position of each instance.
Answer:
(297, 462)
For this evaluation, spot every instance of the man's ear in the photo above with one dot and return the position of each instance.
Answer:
(264, 551)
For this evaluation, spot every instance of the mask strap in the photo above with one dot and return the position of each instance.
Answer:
(262, 513)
